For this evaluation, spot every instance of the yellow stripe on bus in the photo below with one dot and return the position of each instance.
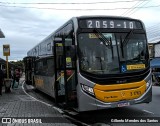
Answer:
(119, 92)
(119, 86)
(39, 82)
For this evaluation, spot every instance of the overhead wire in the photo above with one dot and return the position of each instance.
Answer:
(80, 9)
(155, 39)
(153, 27)
(153, 34)
(157, 29)
(141, 5)
(128, 11)
(133, 9)
(152, 30)
(120, 1)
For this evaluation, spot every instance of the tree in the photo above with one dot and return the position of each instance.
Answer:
(17, 64)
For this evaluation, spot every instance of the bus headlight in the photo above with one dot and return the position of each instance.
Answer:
(148, 84)
(87, 89)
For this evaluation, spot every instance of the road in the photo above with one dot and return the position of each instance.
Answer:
(103, 117)
(154, 106)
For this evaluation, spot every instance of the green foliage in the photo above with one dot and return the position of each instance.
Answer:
(17, 64)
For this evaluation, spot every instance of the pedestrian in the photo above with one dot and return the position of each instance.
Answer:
(1, 80)
(12, 73)
(4, 73)
(16, 77)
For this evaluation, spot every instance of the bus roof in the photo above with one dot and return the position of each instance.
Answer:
(84, 17)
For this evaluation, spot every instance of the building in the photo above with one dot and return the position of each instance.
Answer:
(3, 64)
(1, 34)
(151, 50)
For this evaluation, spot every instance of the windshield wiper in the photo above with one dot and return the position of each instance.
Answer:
(104, 40)
(111, 48)
(126, 39)
(122, 51)
(101, 37)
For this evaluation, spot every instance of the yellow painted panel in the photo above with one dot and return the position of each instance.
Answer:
(59, 44)
(119, 86)
(68, 59)
(113, 96)
(135, 67)
(92, 35)
(39, 82)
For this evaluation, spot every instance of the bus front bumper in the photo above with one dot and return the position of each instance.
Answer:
(89, 103)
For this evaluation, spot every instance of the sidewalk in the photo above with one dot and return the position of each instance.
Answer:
(25, 109)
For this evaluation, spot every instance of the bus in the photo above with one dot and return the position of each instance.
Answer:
(94, 63)
(29, 69)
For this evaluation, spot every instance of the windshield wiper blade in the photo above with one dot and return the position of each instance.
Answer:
(101, 37)
(104, 40)
(126, 39)
(121, 47)
(111, 47)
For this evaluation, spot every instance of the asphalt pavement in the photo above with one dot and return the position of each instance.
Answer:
(31, 108)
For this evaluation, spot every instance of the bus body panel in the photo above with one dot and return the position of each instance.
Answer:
(90, 94)
(95, 104)
(45, 84)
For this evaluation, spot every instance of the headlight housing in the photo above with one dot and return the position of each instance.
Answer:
(87, 89)
(148, 84)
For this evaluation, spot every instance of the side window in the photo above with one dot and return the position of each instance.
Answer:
(44, 67)
(48, 46)
(39, 67)
(50, 64)
(69, 35)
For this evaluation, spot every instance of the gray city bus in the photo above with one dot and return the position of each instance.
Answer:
(94, 62)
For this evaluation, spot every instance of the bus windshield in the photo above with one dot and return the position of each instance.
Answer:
(121, 53)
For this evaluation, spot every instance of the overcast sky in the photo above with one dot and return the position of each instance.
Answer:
(26, 22)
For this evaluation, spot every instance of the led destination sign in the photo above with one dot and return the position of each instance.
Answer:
(108, 23)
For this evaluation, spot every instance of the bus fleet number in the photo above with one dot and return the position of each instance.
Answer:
(109, 24)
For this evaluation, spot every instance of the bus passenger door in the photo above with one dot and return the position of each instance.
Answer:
(65, 73)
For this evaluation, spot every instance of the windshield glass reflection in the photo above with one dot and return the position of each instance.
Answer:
(100, 57)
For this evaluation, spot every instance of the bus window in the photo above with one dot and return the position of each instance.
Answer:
(50, 69)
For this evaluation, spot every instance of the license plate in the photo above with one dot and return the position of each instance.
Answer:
(123, 104)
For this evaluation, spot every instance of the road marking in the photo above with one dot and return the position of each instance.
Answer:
(148, 111)
(58, 109)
